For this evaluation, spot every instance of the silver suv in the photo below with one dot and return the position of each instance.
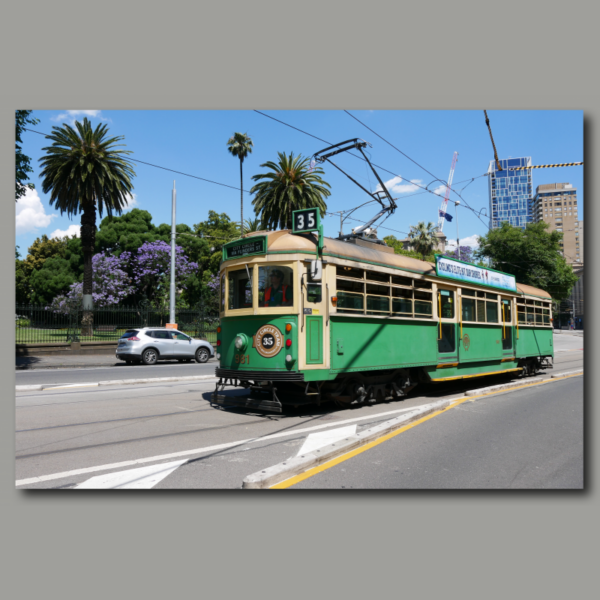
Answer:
(149, 344)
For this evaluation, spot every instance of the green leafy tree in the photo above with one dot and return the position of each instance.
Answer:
(398, 247)
(84, 171)
(240, 145)
(22, 162)
(532, 255)
(41, 250)
(217, 230)
(54, 278)
(423, 238)
(289, 185)
(126, 233)
(251, 225)
(38, 268)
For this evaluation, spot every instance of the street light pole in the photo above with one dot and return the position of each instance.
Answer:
(172, 290)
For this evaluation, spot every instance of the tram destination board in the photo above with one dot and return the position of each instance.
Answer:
(257, 245)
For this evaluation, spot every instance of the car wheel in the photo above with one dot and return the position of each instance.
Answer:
(150, 356)
(202, 355)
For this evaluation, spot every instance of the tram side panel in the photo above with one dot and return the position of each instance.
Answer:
(534, 342)
(480, 343)
(368, 344)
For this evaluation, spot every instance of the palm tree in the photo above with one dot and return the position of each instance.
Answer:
(251, 225)
(83, 170)
(240, 145)
(289, 186)
(423, 237)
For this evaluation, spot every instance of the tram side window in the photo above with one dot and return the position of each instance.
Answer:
(350, 296)
(533, 312)
(479, 307)
(350, 272)
(423, 304)
(240, 290)
(275, 286)
(378, 299)
(446, 304)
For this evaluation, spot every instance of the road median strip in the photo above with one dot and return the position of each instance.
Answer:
(299, 464)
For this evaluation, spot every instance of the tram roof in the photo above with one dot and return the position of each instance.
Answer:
(286, 242)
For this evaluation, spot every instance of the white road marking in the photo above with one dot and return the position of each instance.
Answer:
(323, 438)
(225, 446)
(70, 385)
(143, 478)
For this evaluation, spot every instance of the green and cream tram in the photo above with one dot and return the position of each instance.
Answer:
(306, 319)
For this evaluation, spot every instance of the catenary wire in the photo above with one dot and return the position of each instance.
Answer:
(383, 168)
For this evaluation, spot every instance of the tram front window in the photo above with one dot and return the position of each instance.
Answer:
(240, 290)
(275, 286)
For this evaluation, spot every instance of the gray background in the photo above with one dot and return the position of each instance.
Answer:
(268, 55)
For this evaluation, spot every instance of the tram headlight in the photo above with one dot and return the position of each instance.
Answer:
(289, 358)
(218, 356)
(240, 341)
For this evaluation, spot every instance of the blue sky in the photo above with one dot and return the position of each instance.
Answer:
(195, 142)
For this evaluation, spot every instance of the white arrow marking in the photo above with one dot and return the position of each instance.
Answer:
(143, 478)
(323, 438)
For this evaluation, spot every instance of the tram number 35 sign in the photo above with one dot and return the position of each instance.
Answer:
(308, 219)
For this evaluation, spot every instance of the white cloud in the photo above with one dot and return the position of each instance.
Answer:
(396, 186)
(132, 202)
(72, 115)
(30, 213)
(440, 190)
(472, 241)
(71, 230)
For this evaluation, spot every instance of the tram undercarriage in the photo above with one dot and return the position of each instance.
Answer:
(348, 389)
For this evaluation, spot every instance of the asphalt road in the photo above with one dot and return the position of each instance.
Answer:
(526, 439)
(67, 436)
(113, 370)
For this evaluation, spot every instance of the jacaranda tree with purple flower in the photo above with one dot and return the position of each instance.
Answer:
(151, 270)
(110, 284)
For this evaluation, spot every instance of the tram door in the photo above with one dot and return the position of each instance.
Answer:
(506, 318)
(313, 319)
(447, 326)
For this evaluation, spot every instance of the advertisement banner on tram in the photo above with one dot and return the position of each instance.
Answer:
(468, 273)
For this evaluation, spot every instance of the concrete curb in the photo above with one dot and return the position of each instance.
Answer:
(300, 464)
(558, 375)
(512, 384)
(31, 388)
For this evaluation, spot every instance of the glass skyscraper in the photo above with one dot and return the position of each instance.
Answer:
(511, 193)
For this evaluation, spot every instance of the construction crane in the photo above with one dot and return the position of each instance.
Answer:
(442, 210)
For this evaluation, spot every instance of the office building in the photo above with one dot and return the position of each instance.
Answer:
(556, 204)
(510, 192)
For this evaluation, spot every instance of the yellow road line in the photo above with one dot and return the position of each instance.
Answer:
(336, 461)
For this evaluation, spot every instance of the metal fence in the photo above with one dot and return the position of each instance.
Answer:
(36, 324)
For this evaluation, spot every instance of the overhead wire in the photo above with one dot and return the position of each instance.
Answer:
(422, 167)
(164, 168)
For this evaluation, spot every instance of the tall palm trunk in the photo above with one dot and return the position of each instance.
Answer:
(241, 199)
(88, 242)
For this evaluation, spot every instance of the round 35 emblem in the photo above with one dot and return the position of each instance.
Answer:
(268, 341)
(466, 341)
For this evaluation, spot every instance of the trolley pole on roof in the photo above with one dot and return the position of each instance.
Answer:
(172, 290)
